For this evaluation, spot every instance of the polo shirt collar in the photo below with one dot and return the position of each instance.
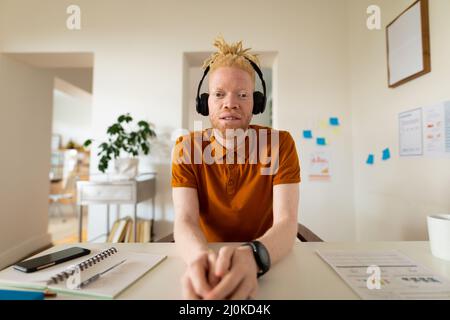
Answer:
(220, 151)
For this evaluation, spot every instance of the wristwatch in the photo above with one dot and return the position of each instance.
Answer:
(261, 255)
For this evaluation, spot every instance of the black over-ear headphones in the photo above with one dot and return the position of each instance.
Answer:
(259, 99)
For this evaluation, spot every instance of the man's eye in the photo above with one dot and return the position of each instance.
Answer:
(218, 94)
(243, 95)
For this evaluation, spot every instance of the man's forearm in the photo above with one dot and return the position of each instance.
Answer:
(189, 239)
(279, 239)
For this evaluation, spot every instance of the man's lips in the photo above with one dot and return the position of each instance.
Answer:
(230, 117)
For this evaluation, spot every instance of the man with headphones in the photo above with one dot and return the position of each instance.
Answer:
(238, 196)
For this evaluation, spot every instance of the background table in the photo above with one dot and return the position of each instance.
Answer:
(134, 191)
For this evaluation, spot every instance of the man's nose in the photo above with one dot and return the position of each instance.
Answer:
(231, 102)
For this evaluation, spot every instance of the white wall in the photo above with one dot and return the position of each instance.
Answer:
(80, 77)
(71, 117)
(139, 62)
(25, 131)
(393, 198)
(195, 74)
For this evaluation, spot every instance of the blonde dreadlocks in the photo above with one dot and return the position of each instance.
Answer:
(231, 55)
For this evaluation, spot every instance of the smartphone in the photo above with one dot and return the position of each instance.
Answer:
(51, 259)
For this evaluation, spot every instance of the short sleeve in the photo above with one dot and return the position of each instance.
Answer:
(183, 174)
(289, 167)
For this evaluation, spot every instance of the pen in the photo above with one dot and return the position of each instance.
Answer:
(49, 294)
(95, 277)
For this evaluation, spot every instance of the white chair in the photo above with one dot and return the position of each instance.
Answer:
(69, 180)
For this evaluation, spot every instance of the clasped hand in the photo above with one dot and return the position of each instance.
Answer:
(229, 274)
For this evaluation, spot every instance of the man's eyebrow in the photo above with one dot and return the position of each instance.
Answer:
(236, 90)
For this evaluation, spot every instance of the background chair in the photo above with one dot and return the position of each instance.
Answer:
(65, 197)
(303, 234)
(63, 180)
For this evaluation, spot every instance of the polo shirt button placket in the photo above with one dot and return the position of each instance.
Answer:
(231, 180)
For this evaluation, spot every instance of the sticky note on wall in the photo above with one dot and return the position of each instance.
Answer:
(386, 154)
(370, 159)
(334, 121)
(307, 134)
(321, 141)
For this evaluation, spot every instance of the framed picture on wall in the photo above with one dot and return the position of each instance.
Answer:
(408, 44)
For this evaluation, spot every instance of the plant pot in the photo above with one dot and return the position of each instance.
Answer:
(125, 169)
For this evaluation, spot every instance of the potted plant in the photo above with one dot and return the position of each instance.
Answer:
(122, 139)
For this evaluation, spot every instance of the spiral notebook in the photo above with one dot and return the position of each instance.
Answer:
(120, 269)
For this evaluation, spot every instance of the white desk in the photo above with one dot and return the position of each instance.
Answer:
(134, 191)
(301, 275)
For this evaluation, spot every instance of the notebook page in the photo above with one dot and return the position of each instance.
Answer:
(112, 283)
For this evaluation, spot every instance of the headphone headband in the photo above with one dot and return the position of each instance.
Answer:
(201, 81)
(259, 72)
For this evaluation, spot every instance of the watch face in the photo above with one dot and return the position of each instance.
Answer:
(263, 255)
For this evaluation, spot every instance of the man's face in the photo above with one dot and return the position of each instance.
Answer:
(230, 98)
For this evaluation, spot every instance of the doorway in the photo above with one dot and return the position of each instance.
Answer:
(72, 75)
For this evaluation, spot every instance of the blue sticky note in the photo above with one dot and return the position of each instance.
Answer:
(321, 141)
(370, 159)
(334, 121)
(21, 295)
(386, 154)
(307, 134)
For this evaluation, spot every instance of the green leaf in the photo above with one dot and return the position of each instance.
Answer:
(103, 146)
(143, 124)
(112, 129)
(87, 143)
(118, 143)
(145, 148)
(103, 163)
(121, 118)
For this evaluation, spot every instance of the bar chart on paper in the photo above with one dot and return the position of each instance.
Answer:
(399, 277)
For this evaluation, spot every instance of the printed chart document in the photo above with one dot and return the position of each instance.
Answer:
(399, 276)
(436, 125)
(410, 133)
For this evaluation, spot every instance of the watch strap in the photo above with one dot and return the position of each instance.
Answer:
(257, 248)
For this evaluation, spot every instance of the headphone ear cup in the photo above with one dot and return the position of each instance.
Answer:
(202, 104)
(259, 102)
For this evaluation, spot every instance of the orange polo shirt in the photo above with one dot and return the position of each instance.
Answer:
(235, 186)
